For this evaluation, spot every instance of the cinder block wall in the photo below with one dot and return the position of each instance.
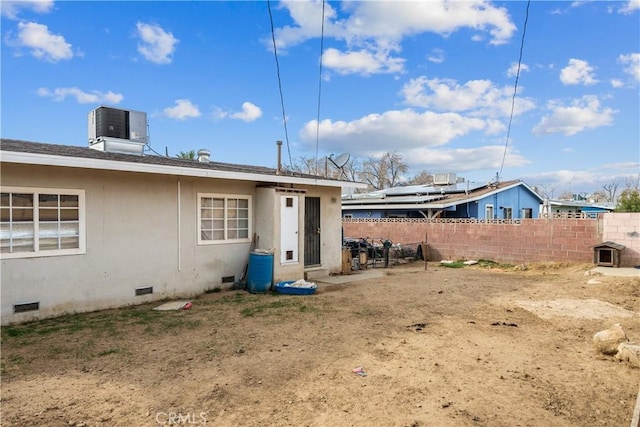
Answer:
(623, 228)
(531, 240)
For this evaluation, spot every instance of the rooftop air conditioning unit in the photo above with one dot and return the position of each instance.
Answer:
(117, 130)
(447, 178)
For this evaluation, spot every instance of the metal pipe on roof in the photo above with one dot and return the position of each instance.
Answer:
(279, 169)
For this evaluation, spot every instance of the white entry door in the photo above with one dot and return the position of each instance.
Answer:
(289, 229)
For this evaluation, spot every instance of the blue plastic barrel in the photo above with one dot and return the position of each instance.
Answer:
(260, 272)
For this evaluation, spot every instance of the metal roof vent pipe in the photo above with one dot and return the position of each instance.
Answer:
(203, 155)
(279, 169)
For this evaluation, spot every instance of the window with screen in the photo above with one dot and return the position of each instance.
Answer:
(223, 218)
(41, 222)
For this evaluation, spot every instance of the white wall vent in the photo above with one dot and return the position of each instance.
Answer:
(444, 178)
(117, 130)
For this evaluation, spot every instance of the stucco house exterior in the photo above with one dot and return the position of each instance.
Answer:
(495, 200)
(92, 228)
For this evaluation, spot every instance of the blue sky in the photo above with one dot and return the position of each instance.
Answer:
(432, 80)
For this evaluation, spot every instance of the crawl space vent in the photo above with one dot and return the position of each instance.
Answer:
(21, 308)
(144, 291)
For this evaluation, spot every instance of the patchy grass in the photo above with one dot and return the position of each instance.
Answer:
(534, 266)
(455, 264)
(550, 266)
(108, 333)
(278, 307)
(487, 263)
(368, 311)
(109, 351)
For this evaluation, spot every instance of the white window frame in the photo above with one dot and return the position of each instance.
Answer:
(37, 252)
(507, 212)
(487, 208)
(225, 197)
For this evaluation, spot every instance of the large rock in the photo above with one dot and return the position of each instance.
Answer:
(607, 341)
(629, 352)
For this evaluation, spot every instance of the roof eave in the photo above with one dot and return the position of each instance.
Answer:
(102, 164)
(391, 206)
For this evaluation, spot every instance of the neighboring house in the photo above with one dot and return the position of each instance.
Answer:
(571, 208)
(92, 228)
(451, 199)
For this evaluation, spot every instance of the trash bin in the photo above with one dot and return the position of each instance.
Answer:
(386, 245)
(260, 272)
(364, 258)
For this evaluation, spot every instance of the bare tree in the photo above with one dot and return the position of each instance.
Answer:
(352, 170)
(385, 171)
(422, 178)
(545, 190)
(632, 183)
(308, 165)
(610, 191)
(322, 167)
(566, 195)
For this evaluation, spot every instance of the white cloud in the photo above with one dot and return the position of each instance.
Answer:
(632, 64)
(250, 112)
(43, 44)
(464, 159)
(183, 110)
(581, 180)
(513, 69)
(11, 9)
(479, 97)
(630, 7)
(396, 20)
(373, 29)
(307, 25)
(361, 62)
(82, 97)
(616, 83)
(583, 114)
(436, 56)
(577, 72)
(400, 129)
(156, 44)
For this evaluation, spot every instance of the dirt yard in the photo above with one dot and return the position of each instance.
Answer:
(443, 347)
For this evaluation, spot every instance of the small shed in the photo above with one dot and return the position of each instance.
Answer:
(607, 254)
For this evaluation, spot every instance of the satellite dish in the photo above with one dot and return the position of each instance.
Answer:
(340, 161)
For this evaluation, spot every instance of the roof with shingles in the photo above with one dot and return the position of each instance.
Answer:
(88, 153)
(77, 152)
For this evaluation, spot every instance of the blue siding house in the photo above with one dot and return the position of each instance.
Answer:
(495, 200)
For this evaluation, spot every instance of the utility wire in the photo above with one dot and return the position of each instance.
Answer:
(515, 90)
(275, 52)
(319, 87)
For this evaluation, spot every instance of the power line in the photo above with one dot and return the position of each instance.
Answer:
(275, 52)
(319, 87)
(515, 89)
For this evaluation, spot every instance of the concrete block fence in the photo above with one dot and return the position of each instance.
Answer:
(514, 242)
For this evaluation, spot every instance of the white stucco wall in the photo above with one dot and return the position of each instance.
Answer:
(268, 227)
(141, 231)
(331, 229)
